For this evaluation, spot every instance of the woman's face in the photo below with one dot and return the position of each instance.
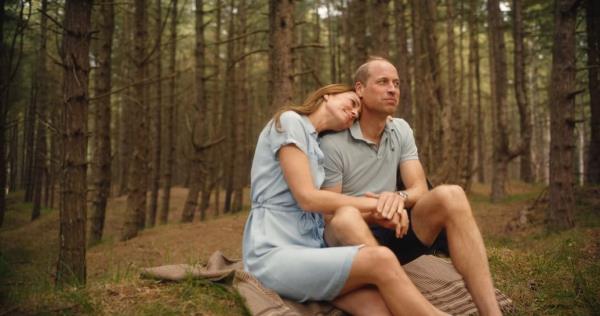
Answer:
(344, 108)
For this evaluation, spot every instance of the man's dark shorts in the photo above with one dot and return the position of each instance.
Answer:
(409, 247)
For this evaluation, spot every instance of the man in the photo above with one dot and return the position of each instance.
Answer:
(365, 158)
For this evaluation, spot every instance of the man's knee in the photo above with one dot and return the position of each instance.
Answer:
(451, 198)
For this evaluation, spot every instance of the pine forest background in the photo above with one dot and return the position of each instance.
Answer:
(133, 98)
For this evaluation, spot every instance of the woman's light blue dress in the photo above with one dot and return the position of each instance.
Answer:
(283, 245)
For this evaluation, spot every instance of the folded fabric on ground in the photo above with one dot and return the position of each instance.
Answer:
(435, 277)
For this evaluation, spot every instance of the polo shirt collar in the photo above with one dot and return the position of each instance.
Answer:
(357, 134)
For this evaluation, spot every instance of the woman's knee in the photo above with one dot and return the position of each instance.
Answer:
(382, 263)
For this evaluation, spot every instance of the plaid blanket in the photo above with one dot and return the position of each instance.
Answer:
(435, 277)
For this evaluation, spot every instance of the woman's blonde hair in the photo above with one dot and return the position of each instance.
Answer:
(312, 102)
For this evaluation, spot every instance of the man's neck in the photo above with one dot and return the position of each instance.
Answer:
(372, 126)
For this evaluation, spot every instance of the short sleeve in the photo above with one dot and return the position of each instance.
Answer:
(332, 163)
(292, 131)
(407, 141)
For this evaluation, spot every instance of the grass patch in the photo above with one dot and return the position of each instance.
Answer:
(551, 273)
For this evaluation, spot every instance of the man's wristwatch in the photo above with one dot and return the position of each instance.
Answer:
(403, 194)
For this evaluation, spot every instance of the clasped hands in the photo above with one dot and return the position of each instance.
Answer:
(390, 212)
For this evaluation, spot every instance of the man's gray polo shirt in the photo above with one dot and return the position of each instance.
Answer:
(362, 166)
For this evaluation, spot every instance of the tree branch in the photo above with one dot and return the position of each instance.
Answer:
(315, 45)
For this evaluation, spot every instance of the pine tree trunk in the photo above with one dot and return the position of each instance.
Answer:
(170, 118)
(281, 28)
(127, 105)
(381, 28)
(593, 61)
(137, 182)
(157, 120)
(451, 118)
(3, 111)
(402, 62)
(42, 92)
(332, 44)
(474, 48)
(102, 156)
(29, 143)
(423, 120)
(214, 114)
(562, 116)
(229, 102)
(502, 152)
(239, 117)
(71, 267)
(471, 89)
(200, 128)
(13, 159)
(521, 92)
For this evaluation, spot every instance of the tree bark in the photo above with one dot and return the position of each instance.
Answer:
(357, 31)
(200, 128)
(521, 92)
(423, 97)
(402, 62)
(228, 104)
(42, 92)
(381, 28)
(29, 143)
(239, 118)
(562, 116)
(502, 154)
(127, 104)
(71, 267)
(281, 28)
(3, 110)
(333, 70)
(170, 120)
(102, 154)
(157, 120)
(475, 61)
(137, 182)
(473, 105)
(593, 62)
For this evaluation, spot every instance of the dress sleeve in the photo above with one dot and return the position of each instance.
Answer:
(293, 131)
(407, 141)
(332, 163)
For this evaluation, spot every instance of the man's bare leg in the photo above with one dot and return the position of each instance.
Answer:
(448, 207)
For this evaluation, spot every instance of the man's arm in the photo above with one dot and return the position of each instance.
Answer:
(413, 177)
(398, 221)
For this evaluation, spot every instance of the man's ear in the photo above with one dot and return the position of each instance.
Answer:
(358, 87)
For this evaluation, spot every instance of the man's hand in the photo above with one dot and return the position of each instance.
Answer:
(390, 212)
(399, 222)
(388, 203)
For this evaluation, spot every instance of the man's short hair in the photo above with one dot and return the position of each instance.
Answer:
(362, 72)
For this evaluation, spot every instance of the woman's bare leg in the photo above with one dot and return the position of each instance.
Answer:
(378, 266)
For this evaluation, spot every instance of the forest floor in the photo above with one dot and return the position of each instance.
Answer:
(545, 273)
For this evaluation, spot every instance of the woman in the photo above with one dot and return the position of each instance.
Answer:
(283, 244)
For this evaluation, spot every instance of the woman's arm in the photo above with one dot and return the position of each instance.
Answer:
(296, 171)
